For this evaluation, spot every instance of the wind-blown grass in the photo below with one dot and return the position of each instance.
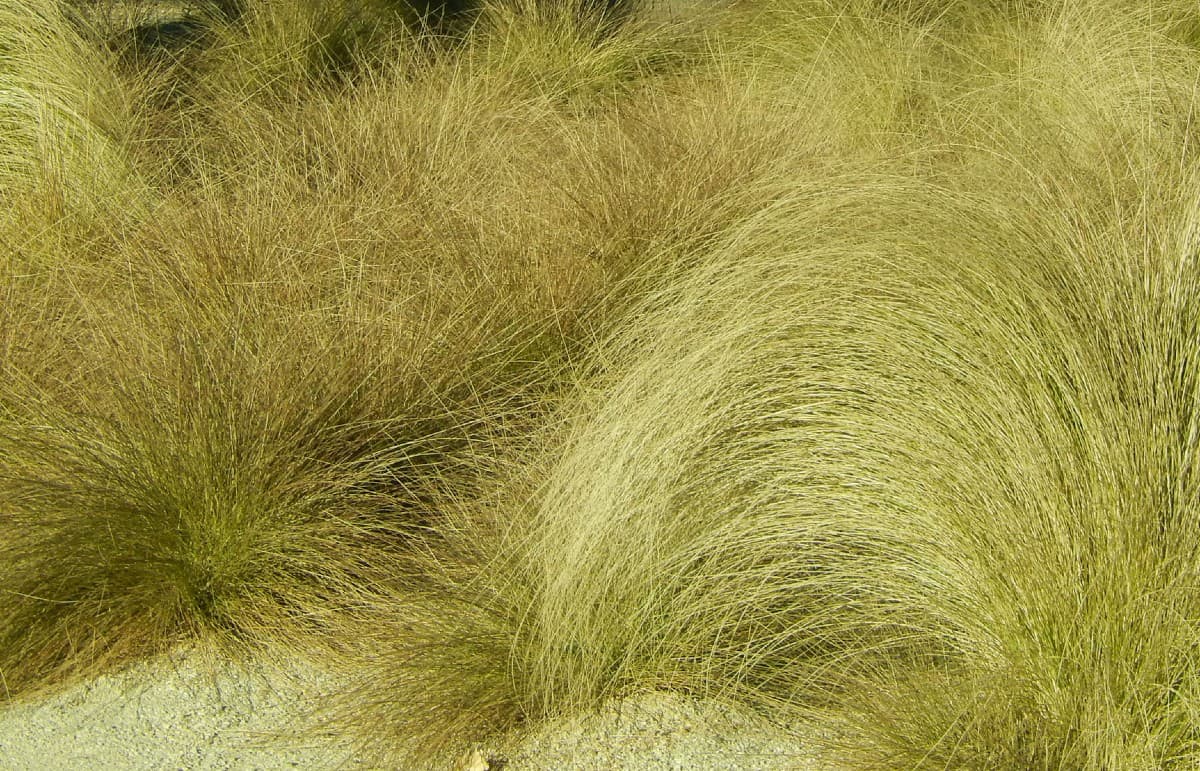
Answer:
(908, 452)
(836, 359)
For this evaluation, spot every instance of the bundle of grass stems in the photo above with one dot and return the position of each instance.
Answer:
(836, 359)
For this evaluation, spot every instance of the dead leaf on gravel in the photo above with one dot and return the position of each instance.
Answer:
(480, 760)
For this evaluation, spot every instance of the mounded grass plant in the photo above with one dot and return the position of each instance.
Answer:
(262, 401)
(908, 485)
(261, 393)
(835, 359)
(906, 453)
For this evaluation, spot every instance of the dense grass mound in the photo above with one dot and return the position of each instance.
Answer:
(918, 479)
(232, 417)
(908, 451)
(834, 359)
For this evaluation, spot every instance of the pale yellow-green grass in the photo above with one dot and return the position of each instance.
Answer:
(910, 452)
(259, 397)
(63, 121)
(834, 358)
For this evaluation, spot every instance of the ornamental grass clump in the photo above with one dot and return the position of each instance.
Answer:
(234, 457)
(906, 475)
(241, 422)
(910, 453)
(835, 359)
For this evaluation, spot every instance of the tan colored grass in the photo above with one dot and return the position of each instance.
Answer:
(906, 452)
(835, 358)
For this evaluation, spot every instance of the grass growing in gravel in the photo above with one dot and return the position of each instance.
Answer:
(836, 359)
(233, 417)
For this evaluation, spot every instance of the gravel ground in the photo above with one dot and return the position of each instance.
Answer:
(168, 714)
(176, 714)
(664, 733)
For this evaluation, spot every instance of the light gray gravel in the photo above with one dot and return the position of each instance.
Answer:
(660, 732)
(168, 714)
(177, 714)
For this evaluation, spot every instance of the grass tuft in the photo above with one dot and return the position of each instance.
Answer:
(833, 358)
(63, 121)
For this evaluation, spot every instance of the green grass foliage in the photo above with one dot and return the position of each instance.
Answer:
(835, 358)
(64, 119)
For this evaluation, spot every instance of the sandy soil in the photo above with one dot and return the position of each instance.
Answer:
(168, 714)
(176, 714)
(664, 733)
